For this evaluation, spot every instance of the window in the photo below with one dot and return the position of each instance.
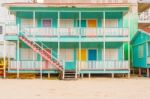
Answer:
(140, 51)
(67, 54)
(27, 22)
(27, 54)
(46, 23)
(66, 23)
(111, 54)
(111, 23)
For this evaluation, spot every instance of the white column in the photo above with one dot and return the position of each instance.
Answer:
(58, 44)
(4, 59)
(80, 41)
(18, 53)
(4, 52)
(104, 43)
(34, 25)
(123, 55)
(18, 58)
(41, 67)
(129, 43)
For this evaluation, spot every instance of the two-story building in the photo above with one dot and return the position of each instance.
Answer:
(140, 42)
(77, 37)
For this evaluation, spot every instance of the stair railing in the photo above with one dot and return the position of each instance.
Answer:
(52, 56)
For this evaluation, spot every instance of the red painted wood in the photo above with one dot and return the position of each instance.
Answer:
(44, 53)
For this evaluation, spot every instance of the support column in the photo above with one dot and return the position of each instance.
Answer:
(4, 59)
(41, 67)
(104, 41)
(18, 53)
(58, 44)
(140, 72)
(34, 25)
(18, 58)
(112, 75)
(148, 72)
(123, 55)
(89, 75)
(80, 43)
(129, 44)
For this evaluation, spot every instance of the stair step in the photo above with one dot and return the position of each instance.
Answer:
(69, 77)
(71, 73)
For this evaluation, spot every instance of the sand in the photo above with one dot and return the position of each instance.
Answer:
(93, 88)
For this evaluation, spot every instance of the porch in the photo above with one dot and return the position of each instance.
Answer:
(81, 66)
(71, 24)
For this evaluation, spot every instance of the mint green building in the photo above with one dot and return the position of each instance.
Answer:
(76, 38)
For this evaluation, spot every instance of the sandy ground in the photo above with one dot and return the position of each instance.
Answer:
(93, 88)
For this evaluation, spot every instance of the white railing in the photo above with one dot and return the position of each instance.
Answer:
(88, 32)
(31, 65)
(11, 29)
(144, 16)
(116, 32)
(100, 65)
(86, 1)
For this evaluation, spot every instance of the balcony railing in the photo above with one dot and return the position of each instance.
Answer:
(144, 16)
(81, 65)
(30, 65)
(86, 32)
(100, 65)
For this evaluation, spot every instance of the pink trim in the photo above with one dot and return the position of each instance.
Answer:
(37, 4)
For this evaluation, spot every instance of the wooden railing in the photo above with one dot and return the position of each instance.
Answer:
(30, 65)
(144, 16)
(86, 32)
(101, 65)
(81, 65)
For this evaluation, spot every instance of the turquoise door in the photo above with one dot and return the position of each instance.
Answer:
(83, 23)
(92, 55)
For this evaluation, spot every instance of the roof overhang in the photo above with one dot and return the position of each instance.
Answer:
(143, 6)
(99, 5)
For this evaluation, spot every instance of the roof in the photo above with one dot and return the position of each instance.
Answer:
(145, 31)
(29, 4)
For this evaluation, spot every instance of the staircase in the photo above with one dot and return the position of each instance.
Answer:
(69, 75)
(45, 54)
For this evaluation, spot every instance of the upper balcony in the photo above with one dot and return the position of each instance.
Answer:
(144, 19)
(71, 26)
(70, 34)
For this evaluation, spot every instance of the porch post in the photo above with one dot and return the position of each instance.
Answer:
(129, 44)
(123, 55)
(104, 41)
(4, 59)
(146, 58)
(58, 43)
(4, 53)
(18, 53)
(41, 65)
(18, 59)
(34, 25)
(80, 41)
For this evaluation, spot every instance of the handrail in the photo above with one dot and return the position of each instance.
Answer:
(53, 57)
(53, 52)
